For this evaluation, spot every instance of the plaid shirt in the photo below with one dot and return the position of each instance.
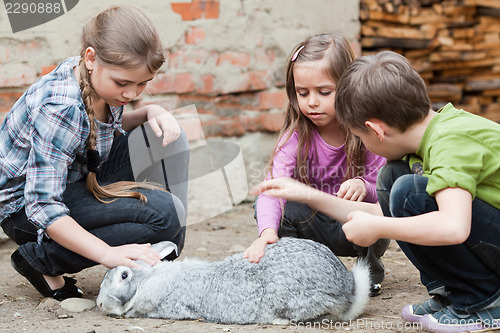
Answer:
(43, 146)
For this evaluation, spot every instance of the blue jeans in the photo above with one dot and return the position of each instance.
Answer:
(468, 273)
(124, 221)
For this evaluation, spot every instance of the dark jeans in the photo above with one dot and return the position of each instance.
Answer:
(469, 273)
(124, 221)
(301, 221)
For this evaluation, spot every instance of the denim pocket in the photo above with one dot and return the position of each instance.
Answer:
(489, 255)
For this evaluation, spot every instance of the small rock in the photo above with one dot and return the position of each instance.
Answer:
(77, 304)
(64, 316)
(48, 303)
(134, 329)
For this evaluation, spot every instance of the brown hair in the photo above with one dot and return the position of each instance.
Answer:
(336, 50)
(383, 86)
(125, 37)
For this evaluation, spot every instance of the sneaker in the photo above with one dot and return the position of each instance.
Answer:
(448, 320)
(375, 289)
(69, 289)
(414, 313)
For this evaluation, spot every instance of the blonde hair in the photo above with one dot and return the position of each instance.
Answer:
(126, 37)
(336, 50)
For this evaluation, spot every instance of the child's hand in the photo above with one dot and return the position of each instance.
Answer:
(361, 229)
(256, 250)
(126, 255)
(160, 119)
(286, 188)
(352, 189)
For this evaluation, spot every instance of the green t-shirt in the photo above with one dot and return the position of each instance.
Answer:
(460, 149)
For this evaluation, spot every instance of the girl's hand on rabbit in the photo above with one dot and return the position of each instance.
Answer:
(160, 119)
(126, 255)
(258, 247)
(286, 188)
(352, 189)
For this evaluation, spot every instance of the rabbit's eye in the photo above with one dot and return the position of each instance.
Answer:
(124, 275)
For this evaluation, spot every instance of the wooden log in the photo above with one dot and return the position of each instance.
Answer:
(481, 84)
(395, 43)
(487, 3)
(452, 92)
(459, 64)
(488, 11)
(396, 32)
(385, 17)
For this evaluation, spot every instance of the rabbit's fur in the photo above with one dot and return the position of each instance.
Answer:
(297, 279)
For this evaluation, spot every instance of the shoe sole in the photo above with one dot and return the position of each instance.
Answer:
(408, 315)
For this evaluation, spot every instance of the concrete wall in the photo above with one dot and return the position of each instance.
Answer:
(227, 57)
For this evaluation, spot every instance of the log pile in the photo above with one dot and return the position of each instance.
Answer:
(454, 45)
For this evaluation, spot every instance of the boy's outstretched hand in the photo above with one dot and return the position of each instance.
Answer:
(286, 188)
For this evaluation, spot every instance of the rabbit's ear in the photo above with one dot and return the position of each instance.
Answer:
(166, 249)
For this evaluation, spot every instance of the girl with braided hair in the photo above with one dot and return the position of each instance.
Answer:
(68, 195)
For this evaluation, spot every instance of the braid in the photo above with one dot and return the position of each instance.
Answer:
(124, 37)
(115, 190)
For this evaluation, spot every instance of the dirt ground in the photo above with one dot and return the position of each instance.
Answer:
(22, 309)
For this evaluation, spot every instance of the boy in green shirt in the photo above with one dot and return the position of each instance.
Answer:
(439, 196)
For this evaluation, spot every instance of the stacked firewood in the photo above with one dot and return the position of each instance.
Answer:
(454, 44)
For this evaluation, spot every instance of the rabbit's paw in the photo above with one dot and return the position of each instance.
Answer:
(280, 321)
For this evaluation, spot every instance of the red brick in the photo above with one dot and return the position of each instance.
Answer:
(171, 83)
(8, 99)
(239, 59)
(180, 58)
(169, 103)
(195, 35)
(161, 84)
(259, 80)
(272, 99)
(272, 121)
(184, 83)
(207, 84)
(47, 69)
(208, 9)
(232, 127)
(264, 57)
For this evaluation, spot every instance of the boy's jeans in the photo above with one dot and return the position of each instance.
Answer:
(124, 221)
(469, 272)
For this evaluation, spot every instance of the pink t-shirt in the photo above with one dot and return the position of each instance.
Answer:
(327, 166)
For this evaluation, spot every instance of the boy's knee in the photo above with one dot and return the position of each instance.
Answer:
(390, 172)
(409, 196)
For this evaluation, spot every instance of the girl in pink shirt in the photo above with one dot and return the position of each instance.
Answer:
(316, 150)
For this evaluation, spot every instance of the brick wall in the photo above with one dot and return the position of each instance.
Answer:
(227, 57)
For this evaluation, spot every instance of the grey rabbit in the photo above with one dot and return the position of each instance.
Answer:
(297, 279)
